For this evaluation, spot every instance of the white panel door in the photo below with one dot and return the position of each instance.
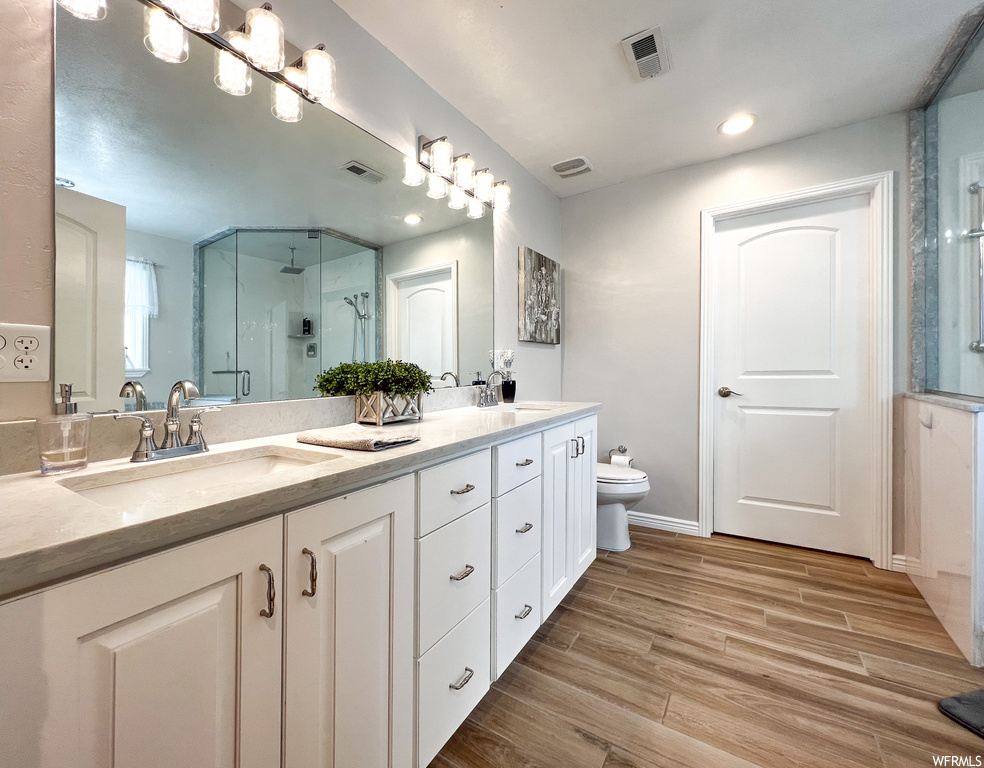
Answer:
(90, 242)
(794, 450)
(585, 498)
(423, 312)
(158, 663)
(349, 638)
(559, 447)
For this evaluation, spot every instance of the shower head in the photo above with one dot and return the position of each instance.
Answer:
(292, 270)
(349, 302)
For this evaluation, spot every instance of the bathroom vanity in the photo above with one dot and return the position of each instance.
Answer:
(308, 606)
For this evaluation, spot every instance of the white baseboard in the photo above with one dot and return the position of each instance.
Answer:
(899, 563)
(672, 524)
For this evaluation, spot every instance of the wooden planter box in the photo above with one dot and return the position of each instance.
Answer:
(380, 408)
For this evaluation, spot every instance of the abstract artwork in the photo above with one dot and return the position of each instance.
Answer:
(539, 298)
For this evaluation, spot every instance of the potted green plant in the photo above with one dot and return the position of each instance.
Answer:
(384, 391)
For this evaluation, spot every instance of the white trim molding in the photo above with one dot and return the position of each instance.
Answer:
(663, 523)
(880, 191)
(900, 563)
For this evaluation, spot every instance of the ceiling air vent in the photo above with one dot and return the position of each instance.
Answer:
(364, 172)
(646, 53)
(576, 166)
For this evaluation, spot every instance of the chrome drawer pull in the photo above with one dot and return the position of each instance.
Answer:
(469, 673)
(467, 489)
(527, 610)
(267, 613)
(525, 529)
(314, 574)
(469, 570)
(524, 463)
(582, 449)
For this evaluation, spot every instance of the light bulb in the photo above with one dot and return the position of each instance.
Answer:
(164, 37)
(232, 74)
(413, 172)
(476, 208)
(501, 197)
(464, 172)
(90, 10)
(319, 67)
(412, 219)
(484, 183)
(442, 158)
(436, 187)
(286, 103)
(197, 15)
(737, 124)
(457, 199)
(266, 40)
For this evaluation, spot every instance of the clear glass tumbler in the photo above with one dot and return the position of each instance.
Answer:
(63, 442)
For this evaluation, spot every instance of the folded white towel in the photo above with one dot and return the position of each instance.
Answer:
(355, 437)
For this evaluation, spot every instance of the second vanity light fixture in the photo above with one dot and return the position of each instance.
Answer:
(455, 178)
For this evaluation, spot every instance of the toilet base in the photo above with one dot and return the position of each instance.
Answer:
(613, 527)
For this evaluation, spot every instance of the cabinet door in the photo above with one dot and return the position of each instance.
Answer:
(558, 541)
(162, 662)
(349, 646)
(585, 496)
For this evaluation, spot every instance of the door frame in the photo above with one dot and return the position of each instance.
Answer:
(393, 280)
(880, 191)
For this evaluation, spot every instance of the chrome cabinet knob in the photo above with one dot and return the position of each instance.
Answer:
(725, 392)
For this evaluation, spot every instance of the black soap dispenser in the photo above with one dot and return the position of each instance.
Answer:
(479, 382)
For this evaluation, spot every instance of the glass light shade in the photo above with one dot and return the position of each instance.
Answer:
(164, 37)
(457, 199)
(442, 158)
(197, 15)
(464, 172)
(413, 172)
(476, 208)
(484, 184)
(436, 187)
(266, 40)
(286, 103)
(501, 197)
(90, 10)
(319, 66)
(232, 74)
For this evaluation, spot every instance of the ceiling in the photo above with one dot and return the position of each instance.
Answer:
(546, 80)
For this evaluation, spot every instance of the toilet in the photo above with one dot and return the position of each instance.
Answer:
(619, 489)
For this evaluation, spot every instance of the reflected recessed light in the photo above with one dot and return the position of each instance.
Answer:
(413, 218)
(736, 124)
(63, 182)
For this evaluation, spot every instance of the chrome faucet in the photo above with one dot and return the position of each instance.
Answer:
(172, 421)
(135, 390)
(148, 450)
(488, 396)
(453, 375)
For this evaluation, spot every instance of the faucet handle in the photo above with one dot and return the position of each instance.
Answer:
(198, 414)
(195, 427)
(146, 444)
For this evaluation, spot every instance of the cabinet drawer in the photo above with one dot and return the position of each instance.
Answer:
(463, 653)
(518, 517)
(516, 608)
(450, 490)
(517, 462)
(462, 549)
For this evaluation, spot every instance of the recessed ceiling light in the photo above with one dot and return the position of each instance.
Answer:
(413, 218)
(736, 124)
(63, 182)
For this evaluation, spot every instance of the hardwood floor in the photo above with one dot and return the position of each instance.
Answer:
(725, 652)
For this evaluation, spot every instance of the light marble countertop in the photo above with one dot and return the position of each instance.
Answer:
(956, 402)
(49, 532)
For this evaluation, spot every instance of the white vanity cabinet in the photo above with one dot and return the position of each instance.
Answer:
(161, 662)
(348, 654)
(585, 501)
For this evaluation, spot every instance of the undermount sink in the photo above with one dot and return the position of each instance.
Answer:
(167, 478)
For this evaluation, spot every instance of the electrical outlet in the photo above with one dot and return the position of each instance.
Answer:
(27, 352)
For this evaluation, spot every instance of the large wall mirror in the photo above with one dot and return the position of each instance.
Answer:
(200, 237)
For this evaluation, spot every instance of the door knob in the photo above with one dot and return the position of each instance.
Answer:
(725, 392)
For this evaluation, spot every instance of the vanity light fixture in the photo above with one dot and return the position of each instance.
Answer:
(457, 198)
(464, 172)
(476, 208)
(90, 10)
(413, 172)
(197, 15)
(412, 219)
(737, 124)
(285, 102)
(437, 187)
(164, 36)
(266, 39)
(484, 185)
(319, 73)
(232, 73)
(439, 157)
(501, 197)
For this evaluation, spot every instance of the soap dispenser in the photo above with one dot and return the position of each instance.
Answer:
(63, 439)
(66, 406)
(479, 381)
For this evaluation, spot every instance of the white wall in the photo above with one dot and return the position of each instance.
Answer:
(632, 294)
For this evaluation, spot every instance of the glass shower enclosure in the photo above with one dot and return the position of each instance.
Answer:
(275, 307)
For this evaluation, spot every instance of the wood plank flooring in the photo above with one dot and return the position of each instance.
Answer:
(727, 653)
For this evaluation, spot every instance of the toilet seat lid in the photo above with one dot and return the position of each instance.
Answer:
(610, 473)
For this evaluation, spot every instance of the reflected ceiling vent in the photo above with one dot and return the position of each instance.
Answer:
(576, 166)
(646, 53)
(364, 172)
